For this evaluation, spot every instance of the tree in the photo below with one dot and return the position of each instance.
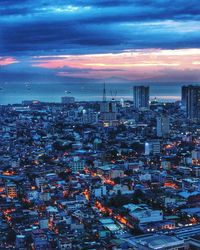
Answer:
(119, 200)
(11, 236)
(138, 194)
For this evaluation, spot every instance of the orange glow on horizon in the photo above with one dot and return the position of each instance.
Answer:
(131, 64)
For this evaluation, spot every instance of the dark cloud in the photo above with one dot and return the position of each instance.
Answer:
(56, 37)
(94, 26)
(43, 27)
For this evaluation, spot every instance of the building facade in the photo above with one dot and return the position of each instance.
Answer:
(141, 97)
(162, 127)
(191, 96)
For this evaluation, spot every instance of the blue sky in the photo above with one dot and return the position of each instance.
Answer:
(46, 41)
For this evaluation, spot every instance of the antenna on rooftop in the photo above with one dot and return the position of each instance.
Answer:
(104, 92)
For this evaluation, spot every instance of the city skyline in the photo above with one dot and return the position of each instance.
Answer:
(99, 124)
(93, 41)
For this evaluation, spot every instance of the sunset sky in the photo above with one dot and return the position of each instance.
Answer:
(97, 40)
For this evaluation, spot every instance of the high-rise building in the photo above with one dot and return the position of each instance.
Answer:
(191, 95)
(89, 117)
(162, 125)
(108, 109)
(183, 96)
(141, 97)
(152, 147)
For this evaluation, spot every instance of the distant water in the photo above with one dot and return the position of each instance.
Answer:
(16, 93)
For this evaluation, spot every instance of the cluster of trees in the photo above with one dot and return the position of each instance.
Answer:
(120, 200)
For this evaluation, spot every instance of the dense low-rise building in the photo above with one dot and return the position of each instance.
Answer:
(69, 181)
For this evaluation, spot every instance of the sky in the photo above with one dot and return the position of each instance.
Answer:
(115, 41)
